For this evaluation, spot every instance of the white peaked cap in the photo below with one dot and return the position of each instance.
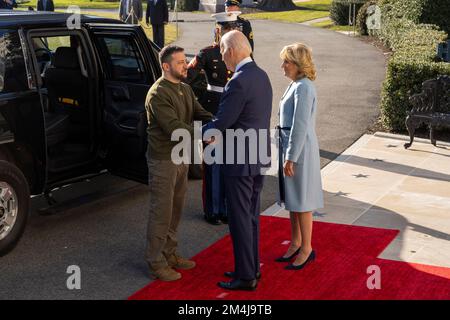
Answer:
(226, 16)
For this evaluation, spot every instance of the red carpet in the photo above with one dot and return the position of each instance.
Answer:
(339, 271)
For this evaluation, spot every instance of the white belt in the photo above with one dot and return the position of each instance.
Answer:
(210, 87)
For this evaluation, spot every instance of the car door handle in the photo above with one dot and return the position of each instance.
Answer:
(120, 94)
(128, 121)
(127, 127)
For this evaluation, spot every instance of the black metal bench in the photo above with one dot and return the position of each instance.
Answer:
(431, 106)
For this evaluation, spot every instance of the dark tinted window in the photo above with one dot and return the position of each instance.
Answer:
(124, 62)
(45, 48)
(13, 76)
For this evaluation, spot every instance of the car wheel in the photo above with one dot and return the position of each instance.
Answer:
(14, 204)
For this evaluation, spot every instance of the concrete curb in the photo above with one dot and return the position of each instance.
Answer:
(406, 138)
(310, 22)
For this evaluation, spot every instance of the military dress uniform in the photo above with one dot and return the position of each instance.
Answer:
(244, 25)
(209, 60)
(246, 29)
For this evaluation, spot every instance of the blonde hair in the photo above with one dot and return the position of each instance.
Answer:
(300, 55)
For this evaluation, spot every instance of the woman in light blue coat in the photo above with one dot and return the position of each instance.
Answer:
(300, 183)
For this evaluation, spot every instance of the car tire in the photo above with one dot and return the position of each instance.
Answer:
(14, 205)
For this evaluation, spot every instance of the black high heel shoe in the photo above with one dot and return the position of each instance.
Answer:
(287, 259)
(311, 257)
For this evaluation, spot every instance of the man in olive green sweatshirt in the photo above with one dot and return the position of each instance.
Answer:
(170, 105)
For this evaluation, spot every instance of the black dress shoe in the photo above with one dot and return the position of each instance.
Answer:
(311, 257)
(224, 219)
(247, 285)
(287, 259)
(230, 274)
(212, 220)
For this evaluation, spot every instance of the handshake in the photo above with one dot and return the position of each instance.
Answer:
(210, 140)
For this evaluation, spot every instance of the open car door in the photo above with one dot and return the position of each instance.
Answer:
(129, 64)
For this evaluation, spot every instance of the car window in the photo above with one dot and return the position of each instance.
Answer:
(45, 48)
(124, 62)
(2, 71)
(54, 43)
(13, 76)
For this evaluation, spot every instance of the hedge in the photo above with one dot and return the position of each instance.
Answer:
(413, 61)
(339, 10)
(405, 77)
(419, 11)
(438, 13)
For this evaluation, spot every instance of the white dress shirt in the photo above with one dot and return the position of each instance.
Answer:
(243, 62)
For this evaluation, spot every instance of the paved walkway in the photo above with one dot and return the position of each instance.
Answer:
(310, 22)
(377, 183)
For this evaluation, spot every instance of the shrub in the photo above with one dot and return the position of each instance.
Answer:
(414, 59)
(438, 13)
(418, 11)
(405, 77)
(402, 33)
(339, 10)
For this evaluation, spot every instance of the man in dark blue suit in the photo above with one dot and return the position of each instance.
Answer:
(45, 5)
(8, 4)
(245, 105)
(158, 16)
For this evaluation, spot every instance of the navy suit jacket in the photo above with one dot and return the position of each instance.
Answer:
(49, 3)
(246, 103)
(4, 5)
(157, 14)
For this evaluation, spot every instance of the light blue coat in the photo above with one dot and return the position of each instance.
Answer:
(298, 107)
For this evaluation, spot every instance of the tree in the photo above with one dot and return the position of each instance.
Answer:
(277, 5)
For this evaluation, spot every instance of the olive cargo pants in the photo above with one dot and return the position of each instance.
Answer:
(168, 185)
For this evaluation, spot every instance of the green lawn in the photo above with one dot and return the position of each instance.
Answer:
(307, 11)
(323, 24)
(319, 5)
(96, 4)
(316, 5)
(170, 32)
(328, 24)
(288, 16)
(310, 10)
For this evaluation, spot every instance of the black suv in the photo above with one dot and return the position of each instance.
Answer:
(71, 106)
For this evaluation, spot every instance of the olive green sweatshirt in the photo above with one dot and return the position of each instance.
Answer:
(170, 106)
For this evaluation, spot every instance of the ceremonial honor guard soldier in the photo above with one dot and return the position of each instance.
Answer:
(209, 61)
(244, 25)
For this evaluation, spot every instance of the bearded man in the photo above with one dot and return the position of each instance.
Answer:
(170, 105)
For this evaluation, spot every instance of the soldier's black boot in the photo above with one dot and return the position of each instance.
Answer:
(224, 218)
(211, 219)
